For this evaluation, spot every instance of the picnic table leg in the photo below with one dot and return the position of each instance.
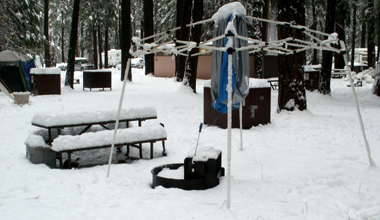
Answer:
(163, 148)
(151, 150)
(60, 161)
(69, 160)
(127, 151)
(86, 128)
(140, 148)
(49, 131)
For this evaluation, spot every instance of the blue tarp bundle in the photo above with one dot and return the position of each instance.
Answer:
(240, 67)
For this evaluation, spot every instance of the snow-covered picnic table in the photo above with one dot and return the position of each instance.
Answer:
(134, 137)
(338, 73)
(60, 120)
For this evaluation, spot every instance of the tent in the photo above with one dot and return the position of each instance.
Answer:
(14, 70)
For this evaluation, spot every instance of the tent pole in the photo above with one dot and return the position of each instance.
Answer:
(118, 116)
(229, 122)
(371, 162)
(241, 124)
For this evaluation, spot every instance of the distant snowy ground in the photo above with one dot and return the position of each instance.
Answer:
(304, 165)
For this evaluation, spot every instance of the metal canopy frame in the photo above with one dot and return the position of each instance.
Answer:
(164, 42)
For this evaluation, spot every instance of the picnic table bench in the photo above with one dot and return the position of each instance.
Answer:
(134, 137)
(61, 120)
(338, 73)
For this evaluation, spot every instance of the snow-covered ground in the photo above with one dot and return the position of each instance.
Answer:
(303, 165)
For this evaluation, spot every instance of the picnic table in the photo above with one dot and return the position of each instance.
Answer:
(338, 73)
(273, 83)
(61, 120)
(130, 137)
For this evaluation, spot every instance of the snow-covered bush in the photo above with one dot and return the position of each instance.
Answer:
(366, 76)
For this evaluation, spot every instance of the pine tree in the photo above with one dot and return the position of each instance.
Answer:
(126, 36)
(195, 36)
(73, 40)
(371, 20)
(324, 86)
(20, 26)
(341, 21)
(60, 20)
(257, 30)
(291, 93)
(148, 31)
(183, 18)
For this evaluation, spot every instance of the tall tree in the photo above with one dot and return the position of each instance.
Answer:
(265, 25)
(257, 30)
(148, 31)
(46, 33)
(126, 36)
(20, 26)
(324, 86)
(341, 19)
(73, 41)
(291, 93)
(353, 45)
(60, 14)
(183, 18)
(371, 20)
(100, 45)
(378, 31)
(95, 55)
(195, 36)
(363, 34)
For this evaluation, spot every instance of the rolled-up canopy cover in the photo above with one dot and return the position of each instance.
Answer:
(240, 66)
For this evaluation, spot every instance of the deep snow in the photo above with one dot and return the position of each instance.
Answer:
(303, 165)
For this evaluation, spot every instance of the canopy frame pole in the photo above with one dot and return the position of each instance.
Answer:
(230, 50)
(371, 162)
(241, 124)
(118, 116)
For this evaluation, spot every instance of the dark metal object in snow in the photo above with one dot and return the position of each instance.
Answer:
(197, 175)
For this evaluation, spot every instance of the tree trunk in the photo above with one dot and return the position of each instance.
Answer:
(148, 31)
(63, 44)
(106, 34)
(95, 45)
(314, 27)
(338, 58)
(183, 18)
(324, 86)
(353, 36)
(126, 36)
(81, 36)
(378, 34)
(106, 47)
(73, 41)
(100, 48)
(265, 25)
(371, 35)
(46, 33)
(196, 32)
(363, 38)
(291, 93)
(257, 28)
